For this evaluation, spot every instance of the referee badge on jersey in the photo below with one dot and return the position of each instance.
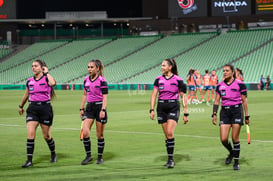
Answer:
(223, 92)
(161, 85)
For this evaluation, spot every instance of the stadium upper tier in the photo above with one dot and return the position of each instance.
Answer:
(5, 52)
(109, 53)
(220, 50)
(258, 63)
(153, 55)
(53, 58)
(138, 59)
(29, 53)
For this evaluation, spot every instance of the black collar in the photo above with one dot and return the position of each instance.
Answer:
(169, 77)
(230, 83)
(94, 79)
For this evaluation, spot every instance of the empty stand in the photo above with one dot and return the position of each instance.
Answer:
(214, 54)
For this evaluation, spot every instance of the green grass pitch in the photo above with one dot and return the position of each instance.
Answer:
(135, 147)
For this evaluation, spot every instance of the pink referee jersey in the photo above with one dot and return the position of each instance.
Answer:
(169, 88)
(95, 89)
(231, 93)
(39, 90)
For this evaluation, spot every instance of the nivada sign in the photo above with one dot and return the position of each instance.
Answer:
(230, 7)
(187, 8)
(264, 6)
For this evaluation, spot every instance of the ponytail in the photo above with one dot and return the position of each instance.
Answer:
(52, 93)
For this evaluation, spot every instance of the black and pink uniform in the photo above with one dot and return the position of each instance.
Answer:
(39, 108)
(168, 100)
(94, 92)
(232, 111)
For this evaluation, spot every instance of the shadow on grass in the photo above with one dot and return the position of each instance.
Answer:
(43, 161)
(121, 172)
(221, 161)
(177, 158)
(108, 156)
(141, 173)
(62, 156)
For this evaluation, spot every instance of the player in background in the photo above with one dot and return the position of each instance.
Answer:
(169, 86)
(214, 82)
(39, 93)
(262, 83)
(198, 85)
(267, 83)
(95, 94)
(233, 93)
(191, 84)
(239, 74)
(206, 86)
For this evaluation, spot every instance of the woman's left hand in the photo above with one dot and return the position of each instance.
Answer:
(186, 119)
(102, 114)
(247, 121)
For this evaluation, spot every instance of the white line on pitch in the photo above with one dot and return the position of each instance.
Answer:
(137, 132)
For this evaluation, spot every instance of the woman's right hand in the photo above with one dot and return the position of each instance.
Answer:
(152, 115)
(21, 111)
(214, 119)
(81, 113)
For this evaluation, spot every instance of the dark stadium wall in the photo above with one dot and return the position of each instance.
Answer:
(155, 8)
(115, 9)
(4, 28)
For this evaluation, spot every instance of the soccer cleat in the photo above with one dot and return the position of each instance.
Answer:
(99, 161)
(194, 101)
(229, 159)
(170, 164)
(86, 160)
(53, 158)
(236, 166)
(27, 164)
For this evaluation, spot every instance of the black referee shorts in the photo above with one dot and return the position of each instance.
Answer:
(232, 115)
(92, 111)
(167, 109)
(41, 112)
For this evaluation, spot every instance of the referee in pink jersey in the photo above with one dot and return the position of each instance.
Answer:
(233, 93)
(95, 94)
(169, 86)
(39, 92)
